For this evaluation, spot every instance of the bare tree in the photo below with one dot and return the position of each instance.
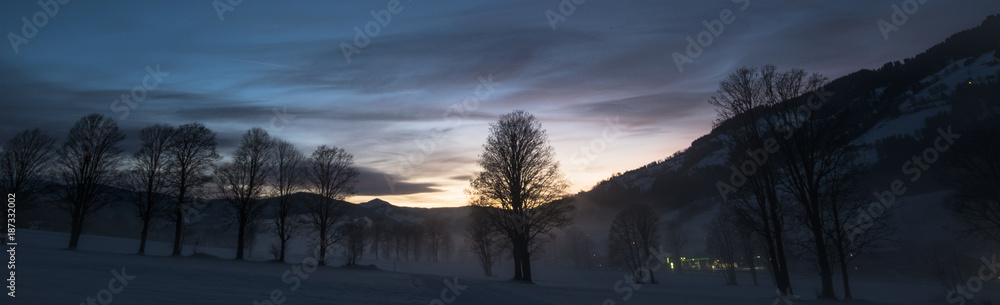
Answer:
(722, 242)
(191, 155)
(398, 240)
(242, 181)
(742, 104)
(146, 177)
(519, 186)
(355, 233)
(581, 248)
(849, 238)
(447, 245)
(677, 238)
(482, 239)
(748, 244)
(378, 235)
(415, 239)
(817, 148)
(974, 176)
(634, 231)
(289, 165)
(332, 175)
(86, 164)
(23, 162)
(436, 235)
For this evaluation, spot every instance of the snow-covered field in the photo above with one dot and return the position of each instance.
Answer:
(48, 274)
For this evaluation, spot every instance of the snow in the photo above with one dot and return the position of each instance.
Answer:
(718, 157)
(958, 72)
(907, 124)
(48, 274)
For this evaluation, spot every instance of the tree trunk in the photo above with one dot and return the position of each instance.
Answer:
(823, 259)
(847, 282)
(143, 235)
(322, 253)
(518, 259)
(784, 281)
(281, 251)
(526, 264)
(240, 235)
(76, 226)
(178, 223)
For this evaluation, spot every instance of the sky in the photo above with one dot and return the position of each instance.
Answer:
(616, 84)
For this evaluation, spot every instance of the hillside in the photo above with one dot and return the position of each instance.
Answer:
(890, 109)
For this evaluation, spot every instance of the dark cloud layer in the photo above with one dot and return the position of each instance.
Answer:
(398, 103)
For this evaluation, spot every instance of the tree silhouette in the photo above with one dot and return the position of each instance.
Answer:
(332, 176)
(519, 186)
(86, 165)
(242, 181)
(23, 162)
(191, 155)
(146, 176)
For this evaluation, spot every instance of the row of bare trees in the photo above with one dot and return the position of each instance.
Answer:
(175, 166)
(794, 166)
(411, 241)
(638, 241)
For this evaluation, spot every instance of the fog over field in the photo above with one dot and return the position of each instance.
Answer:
(501, 152)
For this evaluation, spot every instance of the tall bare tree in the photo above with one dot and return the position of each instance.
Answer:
(86, 164)
(482, 239)
(436, 235)
(848, 238)
(976, 200)
(817, 148)
(355, 234)
(146, 176)
(742, 104)
(242, 182)
(580, 247)
(677, 238)
(332, 176)
(23, 162)
(634, 231)
(378, 235)
(520, 185)
(289, 178)
(191, 155)
(722, 242)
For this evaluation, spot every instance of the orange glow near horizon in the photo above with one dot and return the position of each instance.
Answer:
(619, 157)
